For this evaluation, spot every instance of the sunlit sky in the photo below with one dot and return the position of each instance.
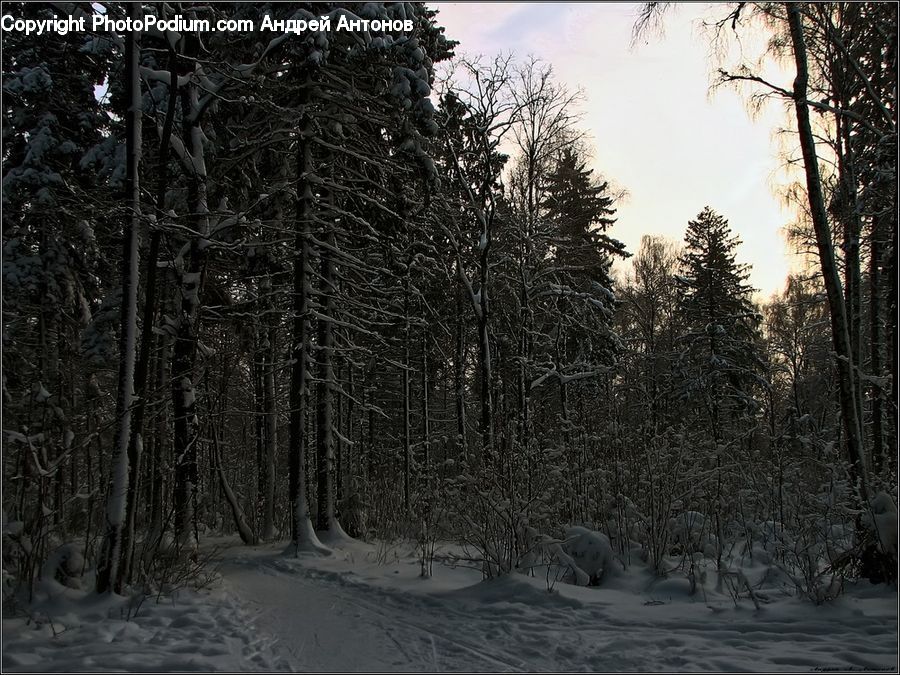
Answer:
(657, 130)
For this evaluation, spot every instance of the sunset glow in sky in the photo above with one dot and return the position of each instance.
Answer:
(657, 129)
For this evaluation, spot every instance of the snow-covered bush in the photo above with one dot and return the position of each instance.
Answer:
(882, 522)
(590, 551)
(491, 516)
(688, 531)
(16, 551)
(65, 565)
(625, 524)
(583, 557)
(810, 547)
(548, 556)
(878, 544)
(664, 487)
(429, 511)
(771, 537)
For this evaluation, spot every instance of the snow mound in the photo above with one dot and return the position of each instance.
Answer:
(591, 551)
(63, 567)
(307, 542)
(884, 514)
(514, 588)
(335, 535)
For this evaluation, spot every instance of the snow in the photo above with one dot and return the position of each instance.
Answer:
(591, 551)
(63, 567)
(884, 515)
(307, 540)
(40, 392)
(366, 608)
(186, 387)
(195, 631)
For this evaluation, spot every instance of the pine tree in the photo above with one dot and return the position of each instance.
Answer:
(580, 210)
(720, 359)
(56, 217)
(719, 362)
(577, 339)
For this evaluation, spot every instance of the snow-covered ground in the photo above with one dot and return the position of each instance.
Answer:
(365, 608)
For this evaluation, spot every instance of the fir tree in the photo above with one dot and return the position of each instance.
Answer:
(582, 210)
(720, 358)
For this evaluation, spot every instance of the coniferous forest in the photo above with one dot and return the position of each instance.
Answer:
(359, 287)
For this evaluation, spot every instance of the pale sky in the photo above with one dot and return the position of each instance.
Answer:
(657, 130)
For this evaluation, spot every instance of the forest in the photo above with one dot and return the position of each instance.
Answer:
(325, 286)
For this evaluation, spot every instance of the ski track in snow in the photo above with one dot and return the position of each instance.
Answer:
(330, 620)
(350, 612)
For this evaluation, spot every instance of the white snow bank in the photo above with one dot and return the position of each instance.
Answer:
(307, 541)
(334, 535)
(517, 589)
(63, 567)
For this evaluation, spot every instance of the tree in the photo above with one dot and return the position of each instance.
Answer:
(109, 577)
(843, 58)
(837, 304)
(488, 112)
(59, 268)
(720, 355)
(650, 318)
(717, 374)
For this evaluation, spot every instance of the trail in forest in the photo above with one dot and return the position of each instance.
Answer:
(325, 615)
(366, 608)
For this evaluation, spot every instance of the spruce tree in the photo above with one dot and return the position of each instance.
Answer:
(574, 318)
(580, 209)
(720, 360)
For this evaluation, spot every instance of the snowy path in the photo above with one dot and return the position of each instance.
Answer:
(328, 621)
(330, 615)
(366, 609)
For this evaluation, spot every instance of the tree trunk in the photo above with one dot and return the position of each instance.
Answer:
(852, 231)
(484, 355)
(245, 531)
(184, 411)
(407, 439)
(875, 339)
(142, 367)
(302, 531)
(460, 371)
(893, 371)
(108, 573)
(339, 446)
(271, 414)
(325, 389)
(351, 513)
(426, 419)
(259, 424)
(839, 328)
(186, 426)
(567, 444)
